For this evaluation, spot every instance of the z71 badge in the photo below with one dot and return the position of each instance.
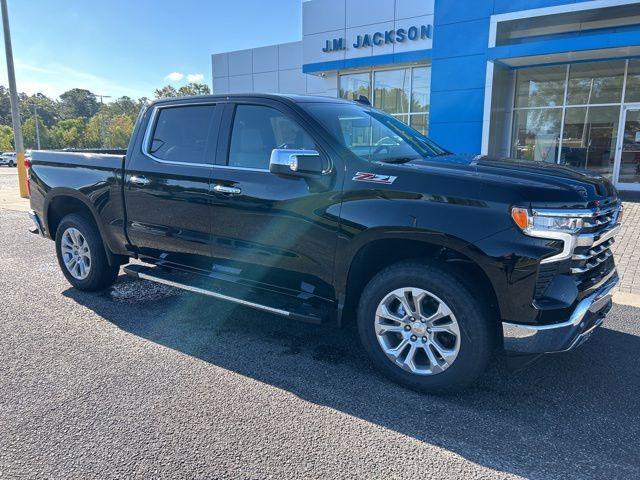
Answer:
(373, 178)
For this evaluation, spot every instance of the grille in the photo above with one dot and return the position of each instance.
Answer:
(592, 259)
(601, 220)
(586, 258)
(592, 276)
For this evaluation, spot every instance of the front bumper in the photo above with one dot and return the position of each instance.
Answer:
(559, 337)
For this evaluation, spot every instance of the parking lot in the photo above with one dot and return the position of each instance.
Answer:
(150, 382)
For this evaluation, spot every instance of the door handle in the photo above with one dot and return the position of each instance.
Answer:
(228, 190)
(139, 180)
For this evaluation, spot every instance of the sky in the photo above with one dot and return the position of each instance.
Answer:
(119, 47)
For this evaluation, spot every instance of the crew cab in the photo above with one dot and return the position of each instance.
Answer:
(325, 210)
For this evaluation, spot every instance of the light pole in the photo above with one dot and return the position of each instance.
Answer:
(35, 116)
(15, 109)
(102, 97)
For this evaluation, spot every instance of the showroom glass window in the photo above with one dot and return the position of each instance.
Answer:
(402, 92)
(570, 114)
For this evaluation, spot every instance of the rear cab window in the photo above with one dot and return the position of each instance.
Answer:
(180, 134)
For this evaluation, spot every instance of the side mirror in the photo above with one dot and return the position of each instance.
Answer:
(296, 163)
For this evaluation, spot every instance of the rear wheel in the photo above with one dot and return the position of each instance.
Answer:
(11, 164)
(81, 254)
(423, 328)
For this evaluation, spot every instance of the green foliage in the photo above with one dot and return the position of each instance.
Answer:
(48, 110)
(69, 133)
(77, 119)
(78, 103)
(29, 134)
(194, 89)
(184, 91)
(6, 138)
(165, 92)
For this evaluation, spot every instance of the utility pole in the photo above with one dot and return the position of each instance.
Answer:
(102, 126)
(35, 115)
(15, 108)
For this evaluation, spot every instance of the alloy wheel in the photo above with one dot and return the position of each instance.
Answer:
(417, 331)
(76, 253)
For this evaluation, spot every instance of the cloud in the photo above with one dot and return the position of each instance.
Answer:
(174, 76)
(195, 77)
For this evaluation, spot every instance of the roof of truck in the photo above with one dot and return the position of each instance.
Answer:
(274, 96)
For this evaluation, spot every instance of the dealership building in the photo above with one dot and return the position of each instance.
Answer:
(550, 80)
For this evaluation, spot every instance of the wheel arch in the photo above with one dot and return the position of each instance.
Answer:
(373, 256)
(61, 202)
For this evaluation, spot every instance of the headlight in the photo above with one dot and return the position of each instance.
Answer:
(548, 222)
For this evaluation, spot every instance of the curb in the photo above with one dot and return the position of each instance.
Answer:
(624, 298)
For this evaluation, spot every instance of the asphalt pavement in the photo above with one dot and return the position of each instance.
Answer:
(144, 381)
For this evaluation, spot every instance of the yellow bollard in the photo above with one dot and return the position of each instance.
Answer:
(22, 175)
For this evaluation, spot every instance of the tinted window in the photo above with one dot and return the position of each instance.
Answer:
(181, 133)
(258, 130)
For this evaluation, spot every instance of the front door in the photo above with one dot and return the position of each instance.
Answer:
(167, 195)
(272, 231)
(628, 151)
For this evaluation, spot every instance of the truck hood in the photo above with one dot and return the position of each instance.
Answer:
(537, 183)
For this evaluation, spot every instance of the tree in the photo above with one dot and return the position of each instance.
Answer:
(184, 91)
(30, 137)
(69, 133)
(5, 106)
(123, 106)
(48, 109)
(78, 103)
(165, 92)
(95, 130)
(194, 89)
(119, 132)
(6, 138)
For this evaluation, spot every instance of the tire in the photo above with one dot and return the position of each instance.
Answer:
(97, 273)
(468, 337)
(11, 164)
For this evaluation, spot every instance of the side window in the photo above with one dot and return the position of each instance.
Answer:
(257, 130)
(180, 133)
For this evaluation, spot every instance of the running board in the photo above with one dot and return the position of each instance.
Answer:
(186, 281)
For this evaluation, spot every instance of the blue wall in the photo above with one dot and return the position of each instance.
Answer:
(459, 58)
(459, 62)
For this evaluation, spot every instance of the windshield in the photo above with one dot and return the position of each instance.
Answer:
(372, 134)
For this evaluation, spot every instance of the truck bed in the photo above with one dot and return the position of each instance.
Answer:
(95, 179)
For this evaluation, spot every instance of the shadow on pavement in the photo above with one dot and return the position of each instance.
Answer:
(573, 415)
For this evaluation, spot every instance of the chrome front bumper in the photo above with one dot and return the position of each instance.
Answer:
(559, 337)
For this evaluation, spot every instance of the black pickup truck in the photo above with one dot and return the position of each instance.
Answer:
(324, 210)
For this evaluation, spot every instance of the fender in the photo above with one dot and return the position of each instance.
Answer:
(349, 251)
(58, 192)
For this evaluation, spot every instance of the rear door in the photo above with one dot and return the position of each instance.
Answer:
(272, 231)
(167, 185)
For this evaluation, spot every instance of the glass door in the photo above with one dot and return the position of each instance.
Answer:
(628, 151)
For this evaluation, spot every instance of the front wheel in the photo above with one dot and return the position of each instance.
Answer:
(11, 164)
(422, 327)
(81, 254)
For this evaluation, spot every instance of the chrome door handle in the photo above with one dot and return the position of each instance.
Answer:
(139, 180)
(228, 190)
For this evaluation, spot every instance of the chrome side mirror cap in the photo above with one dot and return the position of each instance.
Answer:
(298, 163)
